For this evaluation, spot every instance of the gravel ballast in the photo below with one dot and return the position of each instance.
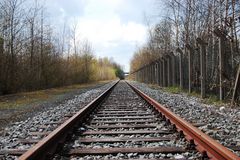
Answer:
(221, 123)
(123, 98)
(45, 120)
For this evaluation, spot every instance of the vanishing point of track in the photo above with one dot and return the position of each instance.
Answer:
(124, 121)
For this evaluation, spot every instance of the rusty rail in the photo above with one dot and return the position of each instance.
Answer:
(50, 143)
(203, 143)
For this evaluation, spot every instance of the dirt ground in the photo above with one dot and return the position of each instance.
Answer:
(20, 106)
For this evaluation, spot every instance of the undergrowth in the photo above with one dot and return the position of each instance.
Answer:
(210, 99)
(172, 89)
(14, 101)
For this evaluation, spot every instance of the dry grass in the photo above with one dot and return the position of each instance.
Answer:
(24, 98)
(210, 99)
(214, 100)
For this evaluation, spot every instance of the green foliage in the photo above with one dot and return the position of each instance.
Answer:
(213, 99)
(173, 89)
(119, 73)
(210, 99)
(195, 94)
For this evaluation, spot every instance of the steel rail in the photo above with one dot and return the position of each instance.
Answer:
(49, 144)
(203, 143)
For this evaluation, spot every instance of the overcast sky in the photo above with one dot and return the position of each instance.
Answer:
(114, 27)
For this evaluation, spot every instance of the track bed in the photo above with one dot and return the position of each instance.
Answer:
(122, 123)
(125, 126)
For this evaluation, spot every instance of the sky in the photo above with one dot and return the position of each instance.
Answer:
(114, 27)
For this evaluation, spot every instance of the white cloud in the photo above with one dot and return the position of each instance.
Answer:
(114, 27)
(110, 31)
(103, 26)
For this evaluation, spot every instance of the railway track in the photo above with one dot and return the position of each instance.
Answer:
(124, 123)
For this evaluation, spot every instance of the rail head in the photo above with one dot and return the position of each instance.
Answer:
(203, 142)
(50, 142)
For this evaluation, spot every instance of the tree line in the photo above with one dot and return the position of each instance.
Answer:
(188, 25)
(35, 54)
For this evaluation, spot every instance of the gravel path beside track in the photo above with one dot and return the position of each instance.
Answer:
(25, 111)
